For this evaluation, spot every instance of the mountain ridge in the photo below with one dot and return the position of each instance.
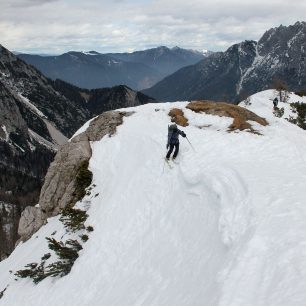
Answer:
(92, 69)
(242, 70)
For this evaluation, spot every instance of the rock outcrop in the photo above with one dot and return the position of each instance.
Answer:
(32, 219)
(59, 187)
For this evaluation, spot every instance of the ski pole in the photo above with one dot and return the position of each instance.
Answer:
(190, 144)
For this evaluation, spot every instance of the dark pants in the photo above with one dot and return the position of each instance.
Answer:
(177, 146)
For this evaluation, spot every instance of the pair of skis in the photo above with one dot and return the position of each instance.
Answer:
(170, 162)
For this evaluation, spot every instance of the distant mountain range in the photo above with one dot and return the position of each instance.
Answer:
(163, 59)
(138, 70)
(37, 115)
(245, 68)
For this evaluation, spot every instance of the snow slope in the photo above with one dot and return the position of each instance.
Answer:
(226, 226)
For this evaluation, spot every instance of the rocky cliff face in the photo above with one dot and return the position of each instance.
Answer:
(280, 55)
(59, 189)
(25, 157)
(8, 227)
(242, 70)
(28, 140)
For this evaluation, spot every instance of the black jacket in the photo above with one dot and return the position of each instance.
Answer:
(173, 134)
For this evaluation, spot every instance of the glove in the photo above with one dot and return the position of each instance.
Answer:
(167, 145)
(184, 135)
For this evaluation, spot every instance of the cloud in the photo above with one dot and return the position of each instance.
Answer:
(61, 25)
(26, 3)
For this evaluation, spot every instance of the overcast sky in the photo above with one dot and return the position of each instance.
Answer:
(57, 26)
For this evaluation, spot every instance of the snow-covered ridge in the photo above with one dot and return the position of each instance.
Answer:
(261, 104)
(225, 226)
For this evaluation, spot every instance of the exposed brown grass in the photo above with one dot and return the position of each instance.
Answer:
(239, 114)
(177, 116)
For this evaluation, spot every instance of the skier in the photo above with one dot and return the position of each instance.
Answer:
(173, 140)
(275, 102)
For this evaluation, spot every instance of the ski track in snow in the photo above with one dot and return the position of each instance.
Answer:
(225, 227)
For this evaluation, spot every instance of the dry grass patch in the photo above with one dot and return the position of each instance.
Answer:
(239, 114)
(177, 116)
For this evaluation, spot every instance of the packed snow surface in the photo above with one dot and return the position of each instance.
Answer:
(224, 227)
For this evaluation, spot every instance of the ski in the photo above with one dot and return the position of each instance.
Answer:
(167, 161)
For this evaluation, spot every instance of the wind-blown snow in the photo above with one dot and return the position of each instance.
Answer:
(226, 226)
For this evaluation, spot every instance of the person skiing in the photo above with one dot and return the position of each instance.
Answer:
(173, 140)
(275, 102)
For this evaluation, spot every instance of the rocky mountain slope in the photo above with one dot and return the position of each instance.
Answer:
(37, 115)
(245, 68)
(100, 100)
(37, 93)
(211, 230)
(93, 70)
(137, 70)
(34, 120)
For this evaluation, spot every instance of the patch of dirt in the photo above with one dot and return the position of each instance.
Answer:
(177, 116)
(239, 114)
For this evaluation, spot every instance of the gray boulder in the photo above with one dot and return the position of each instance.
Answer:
(31, 220)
